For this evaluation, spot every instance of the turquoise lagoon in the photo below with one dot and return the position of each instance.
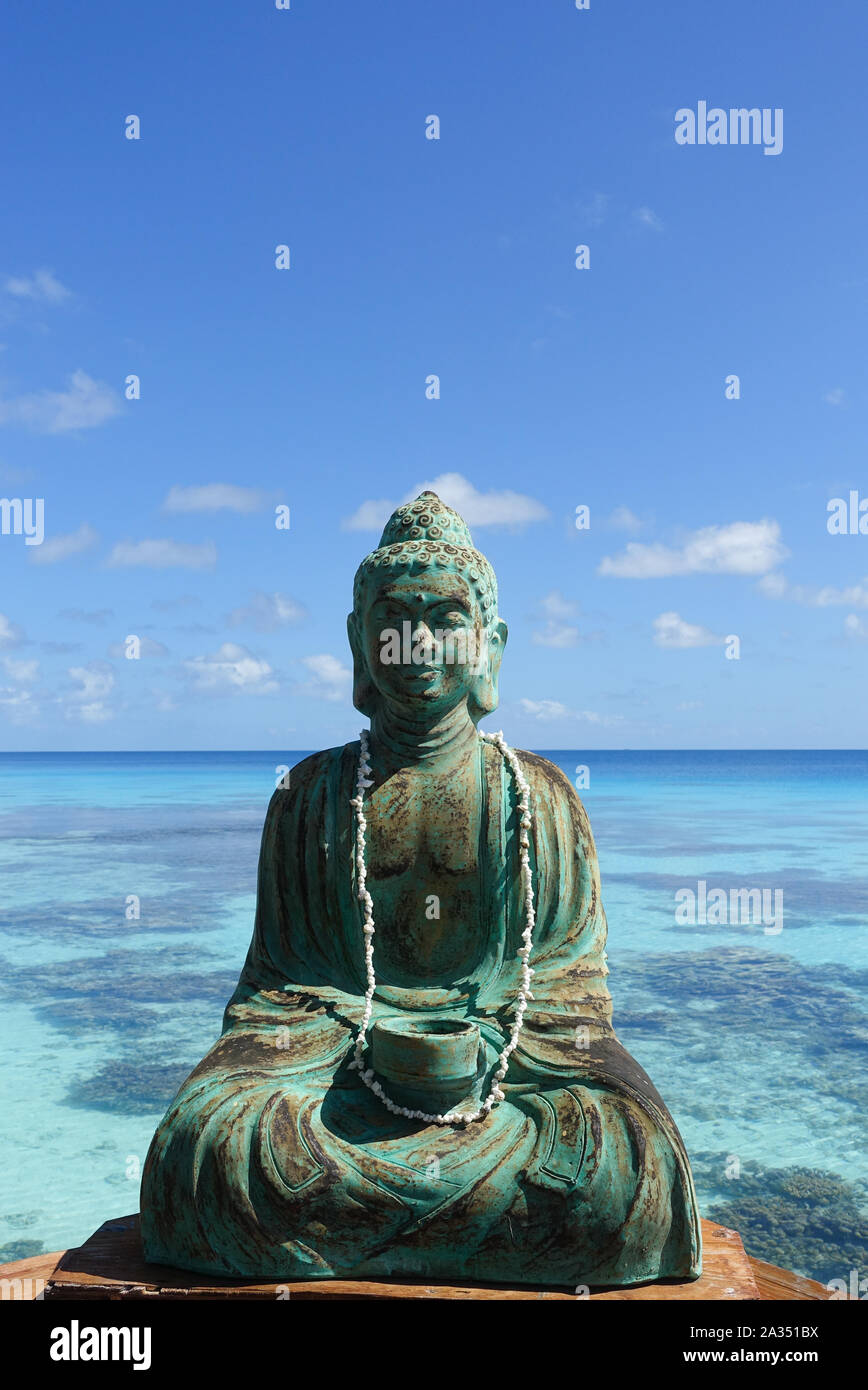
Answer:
(757, 1039)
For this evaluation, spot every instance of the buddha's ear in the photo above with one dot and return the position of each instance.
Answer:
(496, 644)
(484, 697)
(364, 694)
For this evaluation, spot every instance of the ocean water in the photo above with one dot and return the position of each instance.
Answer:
(756, 1038)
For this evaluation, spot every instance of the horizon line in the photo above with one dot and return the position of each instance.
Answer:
(60, 752)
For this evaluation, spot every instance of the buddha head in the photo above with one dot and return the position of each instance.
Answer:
(424, 629)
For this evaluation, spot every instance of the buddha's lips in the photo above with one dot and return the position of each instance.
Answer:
(424, 673)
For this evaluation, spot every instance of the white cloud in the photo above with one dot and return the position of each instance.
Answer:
(56, 548)
(331, 680)
(554, 605)
(556, 635)
(88, 703)
(42, 285)
(95, 680)
(19, 705)
(671, 631)
(370, 516)
(776, 586)
(855, 626)
(214, 497)
(232, 670)
(96, 712)
(25, 672)
(622, 519)
(266, 612)
(835, 396)
(648, 218)
(10, 633)
(556, 631)
(742, 547)
(503, 508)
(86, 403)
(548, 711)
(164, 554)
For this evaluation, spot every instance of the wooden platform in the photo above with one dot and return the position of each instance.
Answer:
(110, 1266)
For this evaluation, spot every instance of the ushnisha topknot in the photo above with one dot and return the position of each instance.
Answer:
(426, 533)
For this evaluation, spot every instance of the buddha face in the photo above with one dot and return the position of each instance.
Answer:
(425, 643)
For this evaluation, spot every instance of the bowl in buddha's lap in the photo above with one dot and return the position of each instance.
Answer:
(438, 1055)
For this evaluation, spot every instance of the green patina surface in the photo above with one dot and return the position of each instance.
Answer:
(274, 1160)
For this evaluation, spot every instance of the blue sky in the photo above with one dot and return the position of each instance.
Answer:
(410, 257)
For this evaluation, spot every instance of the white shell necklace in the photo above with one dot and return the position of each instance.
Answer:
(363, 780)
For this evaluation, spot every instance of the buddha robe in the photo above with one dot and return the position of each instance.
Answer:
(275, 1161)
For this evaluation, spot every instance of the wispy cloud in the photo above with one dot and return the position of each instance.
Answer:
(56, 548)
(835, 396)
(549, 711)
(330, 678)
(557, 630)
(495, 508)
(267, 612)
(743, 547)
(87, 700)
(85, 404)
(25, 671)
(671, 631)
(372, 515)
(648, 218)
(232, 670)
(215, 497)
(11, 635)
(164, 554)
(622, 519)
(163, 701)
(42, 285)
(594, 212)
(18, 704)
(827, 596)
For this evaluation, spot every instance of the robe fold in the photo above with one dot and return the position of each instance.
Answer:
(274, 1161)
